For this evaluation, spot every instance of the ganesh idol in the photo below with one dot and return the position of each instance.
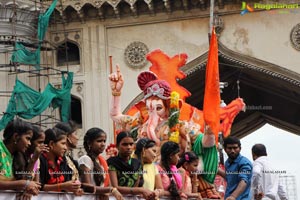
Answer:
(153, 119)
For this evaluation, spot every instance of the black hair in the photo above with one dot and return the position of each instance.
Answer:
(167, 149)
(122, 135)
(15, 126)
(54, 134)
(37, 132)
(19, 165)
(232, 140)
(68, 127)
(188, 157)
(143, 143)
(91, 135)
(20, 162)
(259, 150)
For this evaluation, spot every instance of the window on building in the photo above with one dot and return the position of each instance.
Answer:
(68, 53)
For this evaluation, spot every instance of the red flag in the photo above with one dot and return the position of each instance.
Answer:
(211, 107)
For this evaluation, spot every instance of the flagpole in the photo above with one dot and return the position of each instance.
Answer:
(211, 16)
(110, 72)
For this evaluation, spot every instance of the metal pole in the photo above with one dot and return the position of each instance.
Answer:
(211, 16)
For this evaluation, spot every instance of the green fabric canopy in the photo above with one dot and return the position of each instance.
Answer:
(25, 56)
(28, 103)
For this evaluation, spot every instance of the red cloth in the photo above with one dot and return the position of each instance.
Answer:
(56, 175)
(211, 107)
(105, 167)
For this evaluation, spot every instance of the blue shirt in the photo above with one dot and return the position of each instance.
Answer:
(239, 169)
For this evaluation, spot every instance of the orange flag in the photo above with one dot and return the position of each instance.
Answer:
(211, 107)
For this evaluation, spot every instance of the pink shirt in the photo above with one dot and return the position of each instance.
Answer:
(166, 181)
(164, 177)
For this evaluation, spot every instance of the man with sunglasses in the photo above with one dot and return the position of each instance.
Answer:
(238, 171)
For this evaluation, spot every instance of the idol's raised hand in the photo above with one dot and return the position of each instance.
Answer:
(116, 82)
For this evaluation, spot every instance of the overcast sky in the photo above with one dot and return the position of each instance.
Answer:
(282, 147)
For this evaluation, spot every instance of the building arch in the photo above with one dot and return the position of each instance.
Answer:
(76, 110)
(271, 92)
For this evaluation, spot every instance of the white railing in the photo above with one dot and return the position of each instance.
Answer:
(12, 195)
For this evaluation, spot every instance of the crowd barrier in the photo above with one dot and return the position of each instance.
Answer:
(12, 195)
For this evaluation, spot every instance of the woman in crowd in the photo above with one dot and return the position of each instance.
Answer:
(146, 152)
(17, 136)
(35, 150)
(52, 175)
(170, 176)
(69, 164)
(188, 165)
(125, 172)
(94, 166)
(26, 165)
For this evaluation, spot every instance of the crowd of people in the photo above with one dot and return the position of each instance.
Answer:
(33, 160)
(155, 156)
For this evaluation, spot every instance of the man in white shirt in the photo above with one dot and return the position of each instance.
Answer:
(265, 179)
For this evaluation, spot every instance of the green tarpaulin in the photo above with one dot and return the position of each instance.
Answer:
(28, 103)
(25, 56)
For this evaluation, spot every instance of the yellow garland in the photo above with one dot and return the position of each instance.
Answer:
(174, 105)
(174, 137)
(174, 100)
